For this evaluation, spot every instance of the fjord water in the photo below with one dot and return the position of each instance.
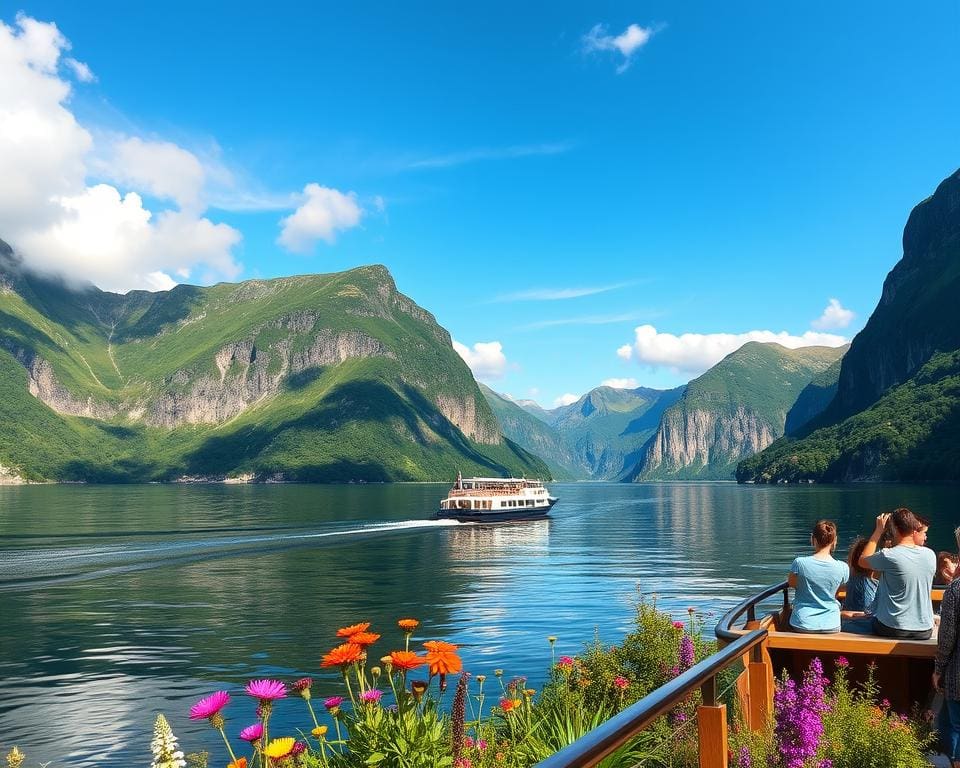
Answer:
(119, 602)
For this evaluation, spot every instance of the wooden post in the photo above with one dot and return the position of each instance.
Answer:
(712, 729)
(760, 699)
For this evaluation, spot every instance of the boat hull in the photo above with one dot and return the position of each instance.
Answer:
(495, 515)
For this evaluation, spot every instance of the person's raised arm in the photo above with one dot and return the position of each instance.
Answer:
(871, 546)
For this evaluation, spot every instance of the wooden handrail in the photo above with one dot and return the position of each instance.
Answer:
(590, 749)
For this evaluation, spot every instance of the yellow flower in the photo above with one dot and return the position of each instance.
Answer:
(319, 732)
(15, 758)
(529, 692)
(278, 748)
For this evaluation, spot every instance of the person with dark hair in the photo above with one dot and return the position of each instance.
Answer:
(947, 563)
(903, 608)
(816, 579)
(946, 668)
(862, 585)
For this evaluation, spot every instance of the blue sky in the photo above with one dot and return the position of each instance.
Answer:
(544, 177)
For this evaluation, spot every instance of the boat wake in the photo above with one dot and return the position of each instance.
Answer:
(50, 566)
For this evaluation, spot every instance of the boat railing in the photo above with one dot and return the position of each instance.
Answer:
(727, 632)
(711, 714)
(485, 491)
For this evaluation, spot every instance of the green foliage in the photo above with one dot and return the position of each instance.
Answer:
(909, 435)
(414, 737)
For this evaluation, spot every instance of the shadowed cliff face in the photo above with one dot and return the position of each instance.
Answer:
(918, 313)
(235, 356)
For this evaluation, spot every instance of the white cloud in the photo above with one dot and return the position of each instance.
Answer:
(323, 213)
(628, 383)
(100, 232)
(160, 168)
(486, 359)
(834, 316)
(80, 70)
(628, 42)
(533, 391)
(489, 153)
(558, 294)
(566, 399)
(696, 352)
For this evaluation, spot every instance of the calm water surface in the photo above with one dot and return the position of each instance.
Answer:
(120, 602)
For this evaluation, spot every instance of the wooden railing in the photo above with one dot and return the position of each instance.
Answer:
(711, 715)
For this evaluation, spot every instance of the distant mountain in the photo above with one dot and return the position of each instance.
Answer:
(599, 436)
(334, 377)
(734, 410)
(534, 434)
(896, 413)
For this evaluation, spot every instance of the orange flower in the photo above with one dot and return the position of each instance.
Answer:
(240, 762)
(441, 658)
(363, 639)
(406, 660)
(408, 625)
(439, 646)
(353, 629)
(507, 704)
(348, 653)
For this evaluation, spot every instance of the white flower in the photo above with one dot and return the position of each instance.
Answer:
(164, 746)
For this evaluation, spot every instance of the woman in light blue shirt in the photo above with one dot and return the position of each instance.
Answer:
(816, 579)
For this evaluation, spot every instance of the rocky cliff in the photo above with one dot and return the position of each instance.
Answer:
(735, 409)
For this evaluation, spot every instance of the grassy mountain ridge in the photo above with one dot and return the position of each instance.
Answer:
(733, 410)
(900, 360)
(316, 377)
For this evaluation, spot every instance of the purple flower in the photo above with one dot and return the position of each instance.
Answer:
(798, 723)
(333, 701)
(687, 655)
(208, 707)
(372, 696)
(252, 732)
(743, 758)
(298, 747)
(266, 690)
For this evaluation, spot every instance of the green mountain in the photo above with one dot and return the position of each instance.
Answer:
(599, 437)
(734, 410)
(896, 413)
(534, 434)
(333, 377)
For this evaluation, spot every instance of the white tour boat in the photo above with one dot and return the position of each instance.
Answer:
(496, 498)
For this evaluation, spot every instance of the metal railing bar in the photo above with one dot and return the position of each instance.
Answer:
(605, 738)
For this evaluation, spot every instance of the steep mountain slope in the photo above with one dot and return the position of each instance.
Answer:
(600, 435)
(894, 416)
(733, 410)
(534, 435)
(319, 377)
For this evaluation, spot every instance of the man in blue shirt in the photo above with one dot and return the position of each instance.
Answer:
(903, 608)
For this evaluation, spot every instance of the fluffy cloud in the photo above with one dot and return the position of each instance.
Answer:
(834, 316)
(696, 352)
(628, 383)
(323, 213)
(486, 359)
(628, 42)
(100, 232)
(566, 399)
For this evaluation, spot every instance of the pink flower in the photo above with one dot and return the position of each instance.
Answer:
(678, 625)
(842, 661)
(266, 690)
(298, 747)
(208, 707)
(333, 701)
(565, 661)
(372, 696)
(302, 684)
(621, 682)
(252, 732)
(481, 744)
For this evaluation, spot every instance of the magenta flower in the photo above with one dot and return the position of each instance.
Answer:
(208, 707)
(333, 701)
(621, 682)
(842, 661)
(303, 684)
(678, 625)
(298, 747)
(252, 732)
(372, 696)
(686, 653)
(266, 690)
(565, 661)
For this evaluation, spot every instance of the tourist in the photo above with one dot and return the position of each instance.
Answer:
(946, 568)
(903, 608)
(862, 585)
(946, 668)
(817, 578)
